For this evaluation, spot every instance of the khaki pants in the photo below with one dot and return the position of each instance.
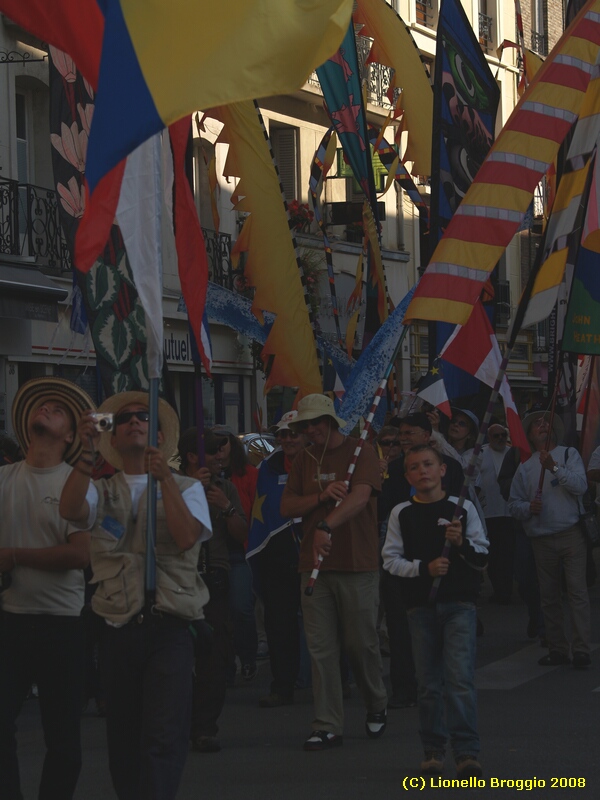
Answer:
(342, 614)
(567, 550)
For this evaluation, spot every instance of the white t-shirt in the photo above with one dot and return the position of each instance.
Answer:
(29, 498)
(193, 497)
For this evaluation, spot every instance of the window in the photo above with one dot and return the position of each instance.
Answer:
(486, 39)
(538, 29)
(284, 140)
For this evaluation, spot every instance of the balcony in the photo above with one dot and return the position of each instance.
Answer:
(539, 43)
(485, 32)
(220, 268)
(30, 225)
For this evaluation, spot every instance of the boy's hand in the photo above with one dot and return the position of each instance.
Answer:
(454, 533)
(438, 567)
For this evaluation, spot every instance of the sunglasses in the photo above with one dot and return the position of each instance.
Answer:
(498, 436)
(287, 434)
(126, 416)
(306, 423)
(388, 442)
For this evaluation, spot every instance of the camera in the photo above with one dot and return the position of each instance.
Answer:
(103, 422)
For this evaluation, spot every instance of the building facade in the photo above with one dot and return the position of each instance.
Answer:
(35, 269)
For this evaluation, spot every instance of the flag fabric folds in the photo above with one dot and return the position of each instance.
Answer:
(474, 348)
(272, 266)
(582, 321)
(466, 97)
(394, 47)
(248, 49)
(340, 81)
(465, 102)
(493, 207)
(432, 390)
(139, 215)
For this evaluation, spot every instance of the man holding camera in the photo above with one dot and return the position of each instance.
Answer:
(42, 559)
(150, 653)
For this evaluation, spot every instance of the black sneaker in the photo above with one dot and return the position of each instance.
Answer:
(433, 762)
(376, 724)
(467, 766)
(323, 740)
(581, 660)
(554, 659)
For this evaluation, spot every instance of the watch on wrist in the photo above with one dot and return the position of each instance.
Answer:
(323, 526)
(555, 468)
(229, 511)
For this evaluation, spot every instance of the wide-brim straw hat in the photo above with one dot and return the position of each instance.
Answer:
(38, 390)
(313, 406)
(557, 424)
(169, 424)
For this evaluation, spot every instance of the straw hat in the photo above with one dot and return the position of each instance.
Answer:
(33, 393)
(167, 418)
(313, 406)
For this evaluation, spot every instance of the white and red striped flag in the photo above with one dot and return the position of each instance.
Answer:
(474, 348)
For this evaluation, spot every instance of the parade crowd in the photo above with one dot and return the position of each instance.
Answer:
(157, 634)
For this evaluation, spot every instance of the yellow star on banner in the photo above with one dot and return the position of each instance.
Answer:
(435, 370)
(257, 507)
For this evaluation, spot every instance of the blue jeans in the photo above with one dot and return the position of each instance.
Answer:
(148, 706)
(443, 640)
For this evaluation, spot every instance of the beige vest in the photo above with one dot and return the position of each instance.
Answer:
(118, 562)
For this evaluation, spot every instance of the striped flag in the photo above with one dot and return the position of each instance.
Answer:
(498, 198)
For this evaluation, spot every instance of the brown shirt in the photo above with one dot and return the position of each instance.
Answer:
(355, 544)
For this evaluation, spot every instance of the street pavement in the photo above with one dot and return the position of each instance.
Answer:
(539, 730)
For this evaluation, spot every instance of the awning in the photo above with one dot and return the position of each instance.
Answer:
(26, 293)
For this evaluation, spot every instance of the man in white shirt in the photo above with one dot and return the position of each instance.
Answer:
(150, 653)
(499, 523)
(41, 634)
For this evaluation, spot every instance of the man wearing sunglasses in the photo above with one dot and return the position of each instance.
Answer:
(499, 523)
(150, 648)
(340, 525)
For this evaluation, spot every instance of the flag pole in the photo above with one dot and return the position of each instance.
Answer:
(150, 572)
(362, 439)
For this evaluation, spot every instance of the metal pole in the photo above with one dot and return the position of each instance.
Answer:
(151, 497)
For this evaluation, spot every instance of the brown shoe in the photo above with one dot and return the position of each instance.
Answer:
(467, 766)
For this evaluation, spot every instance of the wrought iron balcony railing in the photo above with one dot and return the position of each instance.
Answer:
(539, 43)
(485, 31)
(30, 225)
